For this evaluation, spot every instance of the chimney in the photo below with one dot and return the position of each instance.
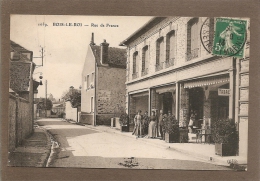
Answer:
(92, 40)
(104, 52)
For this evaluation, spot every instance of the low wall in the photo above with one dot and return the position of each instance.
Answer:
(85, 118)
(71, 113)
(104, 119)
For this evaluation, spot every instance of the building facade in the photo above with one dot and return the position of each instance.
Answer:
(21, 90)
(169, 69)
(103, 84)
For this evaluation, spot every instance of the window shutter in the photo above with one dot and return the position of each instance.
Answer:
(157, 52)
(168, 47)
(161, 50)
(134, 63)
(143, 59)
(172, 45)
(146, 57)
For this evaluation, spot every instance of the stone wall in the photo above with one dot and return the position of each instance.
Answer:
(20, 121)
(12, 123)
(110, 98)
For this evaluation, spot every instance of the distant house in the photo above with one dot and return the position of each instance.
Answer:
(58, 109)
(21, 92)
(37, 111)
(103, 83)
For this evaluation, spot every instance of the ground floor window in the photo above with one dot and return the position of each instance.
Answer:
(207, 105)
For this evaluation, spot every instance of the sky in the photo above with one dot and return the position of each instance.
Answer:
(65, 47)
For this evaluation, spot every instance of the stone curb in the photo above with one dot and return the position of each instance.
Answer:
(44, 158)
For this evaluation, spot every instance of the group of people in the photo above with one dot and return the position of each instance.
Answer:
(151, 126)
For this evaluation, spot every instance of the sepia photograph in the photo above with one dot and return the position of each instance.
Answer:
(129, 92)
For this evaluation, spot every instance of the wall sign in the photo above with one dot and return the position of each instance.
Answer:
(223, 92)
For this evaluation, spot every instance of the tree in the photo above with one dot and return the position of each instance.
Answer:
(75, 98)
(72, 95)
(51, 98)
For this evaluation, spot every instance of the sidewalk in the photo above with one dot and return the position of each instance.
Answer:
(202, 151)
(33, 152)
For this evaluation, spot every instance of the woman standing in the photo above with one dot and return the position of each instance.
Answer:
(138, 124)
(152, 126)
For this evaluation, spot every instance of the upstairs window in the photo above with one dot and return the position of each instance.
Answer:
(159, 50)
(88, 83)
(145, 60)
(85, 83)
(192, 39)
(170, 48)
(92, 105)
(92, 78)
(135, 65)
(159, 54)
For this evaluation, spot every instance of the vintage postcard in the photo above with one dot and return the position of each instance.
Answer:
(129, 92)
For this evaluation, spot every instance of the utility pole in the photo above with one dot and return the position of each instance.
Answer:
(42, 51)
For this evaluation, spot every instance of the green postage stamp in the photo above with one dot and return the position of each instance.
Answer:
(230, 37)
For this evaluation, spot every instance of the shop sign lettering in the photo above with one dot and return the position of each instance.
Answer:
(223, 92)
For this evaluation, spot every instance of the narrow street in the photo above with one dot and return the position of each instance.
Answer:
(87, 147)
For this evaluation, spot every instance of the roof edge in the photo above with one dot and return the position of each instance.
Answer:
(154, 19)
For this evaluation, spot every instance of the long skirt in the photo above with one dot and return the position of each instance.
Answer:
(152, 130)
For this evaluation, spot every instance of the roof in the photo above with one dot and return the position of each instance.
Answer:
(20, 74)
(17, 52)
(18, 47)
(20, 69)
(152, 22)
(116, 56)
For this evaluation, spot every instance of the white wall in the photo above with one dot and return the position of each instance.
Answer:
(71, 113)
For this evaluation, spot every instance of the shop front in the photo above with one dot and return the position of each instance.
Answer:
(164, 98)
(138, 101)
(206, 100)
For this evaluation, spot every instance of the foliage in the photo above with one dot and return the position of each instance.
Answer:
(124, 119)
(72, 95)
(75, 98)
(224, 131)
(41, 105)
(170, 125)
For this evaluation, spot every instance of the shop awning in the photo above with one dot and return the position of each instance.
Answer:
(140, 94)
(161, 90)
(206, 82)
